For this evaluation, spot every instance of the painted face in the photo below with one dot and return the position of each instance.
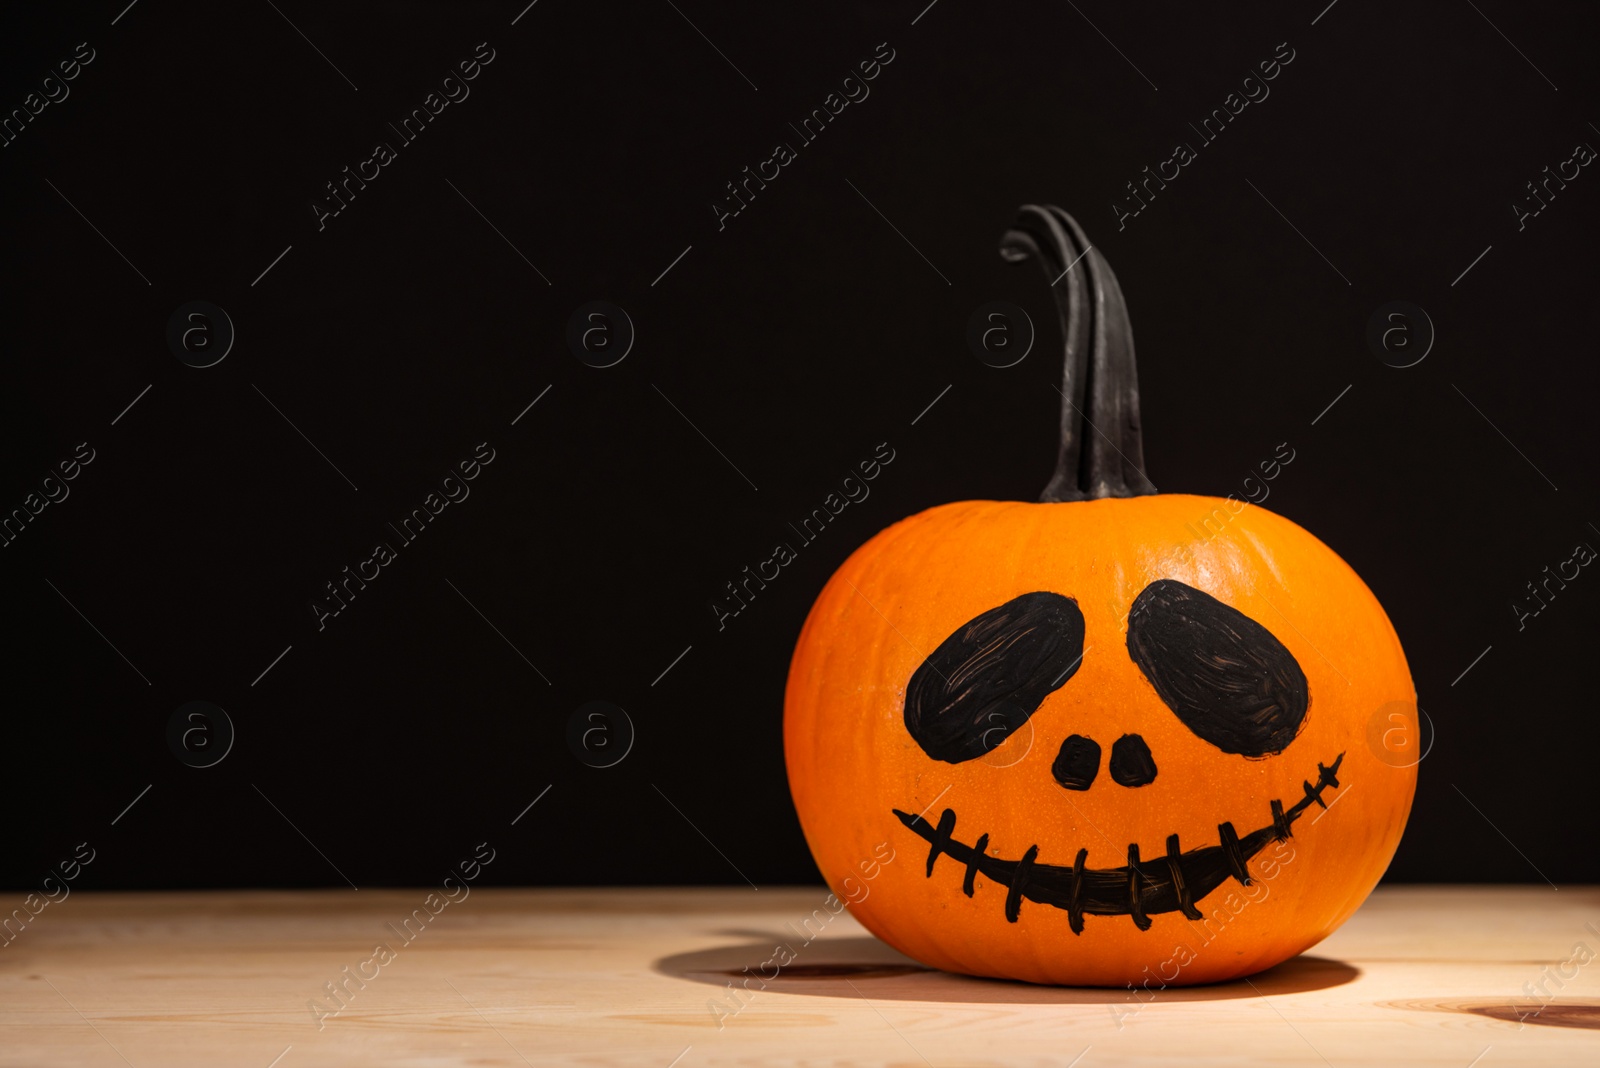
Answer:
(1221, 674)
(1092, 738)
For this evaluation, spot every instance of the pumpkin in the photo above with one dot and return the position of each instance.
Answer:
(1111, 738)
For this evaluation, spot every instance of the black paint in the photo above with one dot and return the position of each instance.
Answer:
(1238, 865)
(1021, 872)
(1102, 447)
(986, 679)
(1175, 882)
(979, 847)
(1222, 673)
(941, 839)
(1180, 887)
(1077, 763)
(1075, 899)
(1135, 892)
(1131, 762)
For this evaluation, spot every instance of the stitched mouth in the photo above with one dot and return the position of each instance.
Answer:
(1139, 889)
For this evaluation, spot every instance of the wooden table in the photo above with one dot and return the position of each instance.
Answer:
(635, 977)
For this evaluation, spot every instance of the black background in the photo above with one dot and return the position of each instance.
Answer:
(796, 339)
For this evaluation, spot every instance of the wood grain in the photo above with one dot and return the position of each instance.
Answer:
(1430, 976)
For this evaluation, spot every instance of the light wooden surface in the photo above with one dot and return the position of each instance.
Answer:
(628, 977)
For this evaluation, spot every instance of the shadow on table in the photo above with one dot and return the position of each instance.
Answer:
(865, 967)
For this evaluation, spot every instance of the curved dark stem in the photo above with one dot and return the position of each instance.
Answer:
(1102, 446)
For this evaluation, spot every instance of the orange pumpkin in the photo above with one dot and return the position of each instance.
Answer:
(1115, 737)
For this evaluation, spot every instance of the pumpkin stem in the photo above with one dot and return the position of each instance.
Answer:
(1102, 447)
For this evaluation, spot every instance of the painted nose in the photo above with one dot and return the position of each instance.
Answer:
(1131, 762)
(1077, 763)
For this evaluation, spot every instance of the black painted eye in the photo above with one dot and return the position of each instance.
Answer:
(1078, 762)
(1222, 673)
(986, 679)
